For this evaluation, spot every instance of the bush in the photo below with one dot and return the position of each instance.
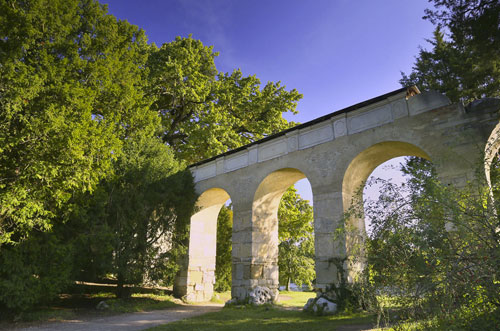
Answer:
(435, 249)
(34, 272)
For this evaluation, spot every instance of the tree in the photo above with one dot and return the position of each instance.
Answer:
(205, 112)
(70, 93)
(138, 210)
(296, 236)
(465, 60)
(436, 250)
(223, 263)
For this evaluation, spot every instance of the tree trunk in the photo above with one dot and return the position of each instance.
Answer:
(122, 292)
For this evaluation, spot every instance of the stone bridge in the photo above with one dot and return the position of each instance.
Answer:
(336, 153)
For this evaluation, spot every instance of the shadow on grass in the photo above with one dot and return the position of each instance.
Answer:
(81, 303)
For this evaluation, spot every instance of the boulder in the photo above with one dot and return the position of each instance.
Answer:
(325, 307)
(309, 304)
(321, 306)
(102, 305)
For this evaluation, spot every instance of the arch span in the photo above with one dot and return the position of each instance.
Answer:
(260, 261)
(196, 281)
(352, 190)
(365, 162)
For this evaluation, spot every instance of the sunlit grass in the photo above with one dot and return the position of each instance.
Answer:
(264, 318)
(294, 299)
(221, 297)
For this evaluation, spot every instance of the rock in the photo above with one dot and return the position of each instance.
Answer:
(326, 306)
(261, 295)
(309, 303)
(102, 305)
(322, 306)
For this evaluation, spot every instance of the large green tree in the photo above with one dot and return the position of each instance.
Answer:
(464, 62)
(70, 93)
(136, 214)
(205, 112)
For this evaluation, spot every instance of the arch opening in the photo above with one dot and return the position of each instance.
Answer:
(353, 184)
(264, 264)
(196, 280)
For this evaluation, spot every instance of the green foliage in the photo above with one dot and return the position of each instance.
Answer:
(205, 112)
(223, 262)
(34, 271)
(435, 249)
(296, 247)
(465, 60)
(137, 215)
(81, 97)
(70, 91)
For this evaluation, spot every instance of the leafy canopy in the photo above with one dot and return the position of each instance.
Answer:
(136, 213)
(70, 78)
(205, 112)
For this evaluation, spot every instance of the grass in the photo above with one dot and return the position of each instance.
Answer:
(77, 305)
(221, 297)
(264, 318)
(294, 299)
(267, 317)
(141, 302)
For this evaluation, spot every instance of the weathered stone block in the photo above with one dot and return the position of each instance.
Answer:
(426, 101)
(256, 271)
(195, 277)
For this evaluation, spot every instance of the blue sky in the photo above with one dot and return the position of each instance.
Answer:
(335, 52)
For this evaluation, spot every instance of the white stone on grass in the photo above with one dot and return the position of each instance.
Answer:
(261, 295)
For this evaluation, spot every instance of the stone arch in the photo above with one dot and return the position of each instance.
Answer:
(354, 179)
(264, 260)
(491, 149)
(196, 280)
(365, 162)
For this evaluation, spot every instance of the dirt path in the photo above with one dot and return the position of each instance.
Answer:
(132, 321)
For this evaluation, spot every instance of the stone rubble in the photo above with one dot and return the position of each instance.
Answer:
(260, 295)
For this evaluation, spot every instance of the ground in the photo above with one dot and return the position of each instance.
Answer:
(77, 313)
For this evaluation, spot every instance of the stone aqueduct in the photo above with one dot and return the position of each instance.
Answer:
(336, 153)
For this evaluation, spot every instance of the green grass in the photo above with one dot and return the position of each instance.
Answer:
(294, 299)
(264, 318)
(221, 297)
